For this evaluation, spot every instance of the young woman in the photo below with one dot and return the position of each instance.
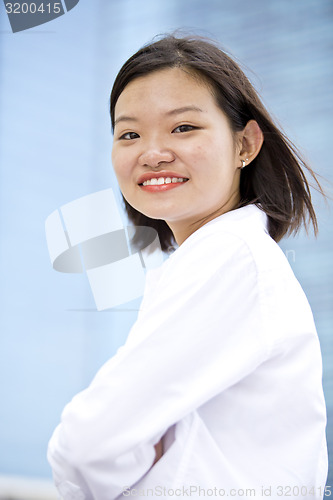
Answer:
(217, 391)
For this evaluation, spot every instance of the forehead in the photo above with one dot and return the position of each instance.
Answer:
(167, 87)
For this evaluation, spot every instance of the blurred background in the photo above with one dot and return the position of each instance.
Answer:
(55, 146)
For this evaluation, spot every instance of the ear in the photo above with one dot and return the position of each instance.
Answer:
(251, 140)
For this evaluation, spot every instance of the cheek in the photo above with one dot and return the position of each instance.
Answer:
(120, 165)
(197, 157)
(213, 163)
(207, 157)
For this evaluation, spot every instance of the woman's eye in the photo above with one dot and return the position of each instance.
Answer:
(129, 135)
(183, 128)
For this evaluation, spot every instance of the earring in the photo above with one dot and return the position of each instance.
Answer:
(244, 163)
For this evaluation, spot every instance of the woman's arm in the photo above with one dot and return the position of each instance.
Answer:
(203, 319)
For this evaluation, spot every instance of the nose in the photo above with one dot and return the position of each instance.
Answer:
(153, 157)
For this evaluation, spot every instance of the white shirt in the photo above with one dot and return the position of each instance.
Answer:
(225, 361)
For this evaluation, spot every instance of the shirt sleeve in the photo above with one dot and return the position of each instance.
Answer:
(200, 332)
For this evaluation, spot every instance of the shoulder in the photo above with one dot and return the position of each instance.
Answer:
(235, 254)
(284, 303)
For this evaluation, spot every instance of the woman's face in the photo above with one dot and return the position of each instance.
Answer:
(174, 153)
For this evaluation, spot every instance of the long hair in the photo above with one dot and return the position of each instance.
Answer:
(275, 179)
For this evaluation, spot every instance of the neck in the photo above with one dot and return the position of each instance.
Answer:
(183, 229)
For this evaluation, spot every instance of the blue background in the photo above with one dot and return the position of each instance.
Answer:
(55, 147)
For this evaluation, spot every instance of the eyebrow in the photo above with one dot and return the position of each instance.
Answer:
(172, 112)
(184, 109)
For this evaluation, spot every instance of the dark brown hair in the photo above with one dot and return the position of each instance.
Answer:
(274, 180)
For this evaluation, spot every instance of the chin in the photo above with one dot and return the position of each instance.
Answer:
(158, 212)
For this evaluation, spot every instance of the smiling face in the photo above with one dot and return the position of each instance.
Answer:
(174, 153)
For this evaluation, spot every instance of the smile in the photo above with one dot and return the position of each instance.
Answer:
(163, 180)
(161, 184)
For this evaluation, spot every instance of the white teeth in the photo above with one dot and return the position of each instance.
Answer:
(162, 180)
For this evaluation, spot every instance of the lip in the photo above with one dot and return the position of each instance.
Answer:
(162, 187)
(156, 175)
